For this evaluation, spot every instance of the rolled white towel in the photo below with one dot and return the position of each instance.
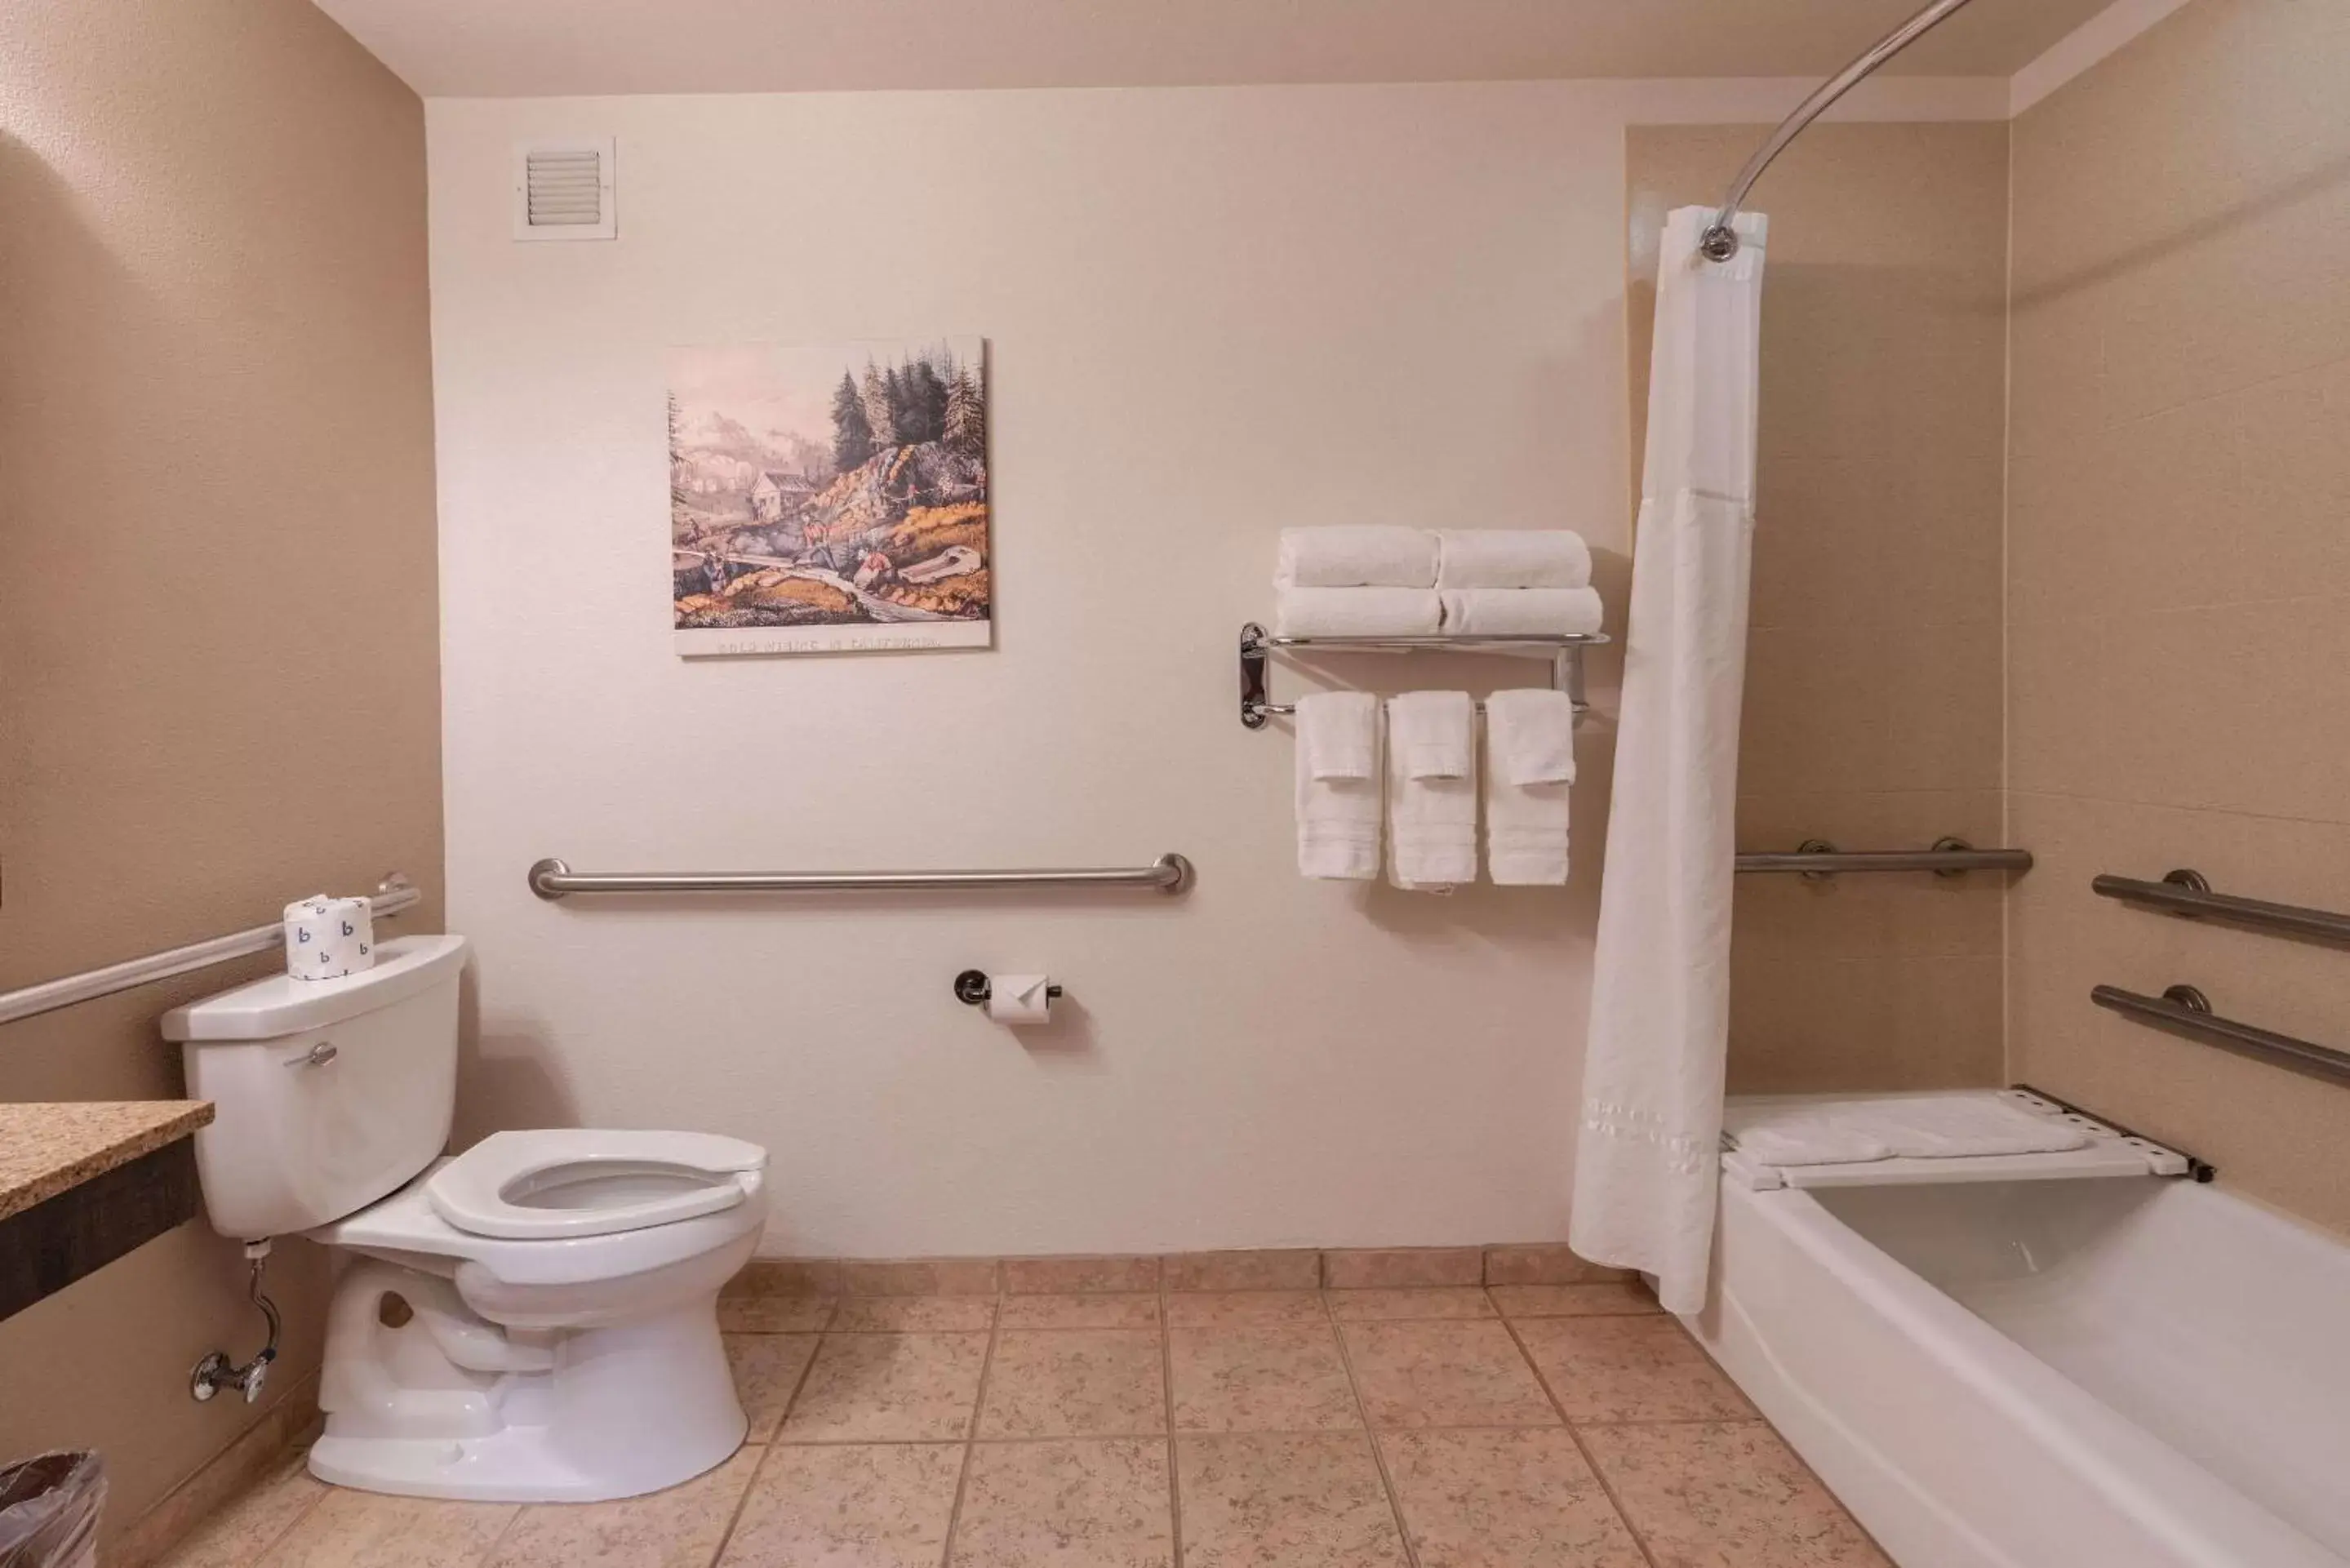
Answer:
(1431, 817)
(1357, 556)
(1520, 612)
(1356, 612)
(1338, 786)
(1529, 776)
(1513, 558)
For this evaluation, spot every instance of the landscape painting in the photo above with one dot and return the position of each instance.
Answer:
(828, 499)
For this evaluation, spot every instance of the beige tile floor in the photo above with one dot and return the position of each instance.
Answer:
(1510, 1426)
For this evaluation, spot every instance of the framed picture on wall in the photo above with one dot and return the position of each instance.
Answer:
(829, 498)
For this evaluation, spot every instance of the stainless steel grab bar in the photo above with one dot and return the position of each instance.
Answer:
(2187, 1010)
(1949, 857)
(2185, 892)
(552, 879)
(392, 895)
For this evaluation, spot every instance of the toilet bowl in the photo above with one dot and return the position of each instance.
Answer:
(578, 1363)
(532, 1321)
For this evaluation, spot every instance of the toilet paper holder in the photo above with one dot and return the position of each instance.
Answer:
(971, 988)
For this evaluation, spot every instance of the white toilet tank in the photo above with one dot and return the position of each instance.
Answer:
(327, 1094)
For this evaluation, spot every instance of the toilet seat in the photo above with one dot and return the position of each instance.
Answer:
(564, 1182)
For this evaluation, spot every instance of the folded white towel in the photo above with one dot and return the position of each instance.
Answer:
(1338, 733)
(1357, 556)
(1895, 1127)
(1431, 817)
(1529, 775)
(1434, 734)
(1338, 816)
(1515, 612)
(1513, 558)
(1356, 612)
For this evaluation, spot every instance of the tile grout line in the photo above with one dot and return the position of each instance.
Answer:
(750, 1485)
(1371, 1437)
(766, 1450)
(1167, 1392)
(275, 1541)
(971, 1434)
(1574, 1436)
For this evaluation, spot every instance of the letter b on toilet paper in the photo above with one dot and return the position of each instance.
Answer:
(327, 938)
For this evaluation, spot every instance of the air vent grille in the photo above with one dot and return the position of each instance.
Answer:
(563, 191)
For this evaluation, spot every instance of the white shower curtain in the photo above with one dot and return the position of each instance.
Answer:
(1646, 1160)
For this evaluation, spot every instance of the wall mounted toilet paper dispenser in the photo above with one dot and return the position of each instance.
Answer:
(972, 987)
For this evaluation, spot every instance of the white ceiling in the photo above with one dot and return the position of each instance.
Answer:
(502, 48)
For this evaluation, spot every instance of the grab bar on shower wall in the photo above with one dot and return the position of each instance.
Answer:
(2187, 1010)
(1817, 857)
(553, 879)
(2186, 893)
(392, 895)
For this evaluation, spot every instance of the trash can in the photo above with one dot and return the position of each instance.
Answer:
(48, 1511)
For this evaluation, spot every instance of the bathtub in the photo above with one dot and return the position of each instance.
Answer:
(2129, 1371)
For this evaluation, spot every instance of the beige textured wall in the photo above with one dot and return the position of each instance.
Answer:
(1872, 714)
(2179, 571)
(216, 585)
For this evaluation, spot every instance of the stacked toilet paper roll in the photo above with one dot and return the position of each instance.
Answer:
(327, 938)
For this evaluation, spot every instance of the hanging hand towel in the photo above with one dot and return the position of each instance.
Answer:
(1431, 790)
(1356, 612)
(1357, 556)
(1519, 612)
(1338, 781)
(1529, 775)
(1513, 558)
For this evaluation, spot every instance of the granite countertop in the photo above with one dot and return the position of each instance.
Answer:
(47, 1147)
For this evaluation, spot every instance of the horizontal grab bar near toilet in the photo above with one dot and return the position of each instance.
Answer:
(2185, 892)
(2184, 1010)
(1816, 858)
(553, 879)
(392, 895)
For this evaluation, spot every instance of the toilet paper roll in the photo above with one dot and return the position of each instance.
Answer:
(327, 938)
(1019, 998)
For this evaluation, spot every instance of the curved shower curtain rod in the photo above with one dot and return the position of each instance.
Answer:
(1719, 241)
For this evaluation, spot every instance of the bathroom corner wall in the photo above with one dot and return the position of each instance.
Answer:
(1873, 697)
(217, 609)
(2178, 588)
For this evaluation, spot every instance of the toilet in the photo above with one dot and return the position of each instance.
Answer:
(532, 1321)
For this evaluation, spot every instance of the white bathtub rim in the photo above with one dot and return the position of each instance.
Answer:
(2133, 1472)
(1739, 1339)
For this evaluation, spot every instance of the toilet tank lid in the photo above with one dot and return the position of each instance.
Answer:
(280, 1004)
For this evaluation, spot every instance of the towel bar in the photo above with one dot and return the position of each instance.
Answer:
(1563, 650)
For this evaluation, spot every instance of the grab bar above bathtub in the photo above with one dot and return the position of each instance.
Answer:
(1815, 859)
(553, 879)
(2187, 894)
(2186, 1011)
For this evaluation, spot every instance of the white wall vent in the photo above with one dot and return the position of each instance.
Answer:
(563, 190)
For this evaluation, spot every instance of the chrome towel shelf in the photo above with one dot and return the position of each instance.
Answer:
(1564, 651)
(553, 879)
(2186, 1011)
(1816, 858)
(2186, 893)
(392, 895)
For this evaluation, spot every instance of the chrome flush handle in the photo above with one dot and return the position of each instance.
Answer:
(317, 1055)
